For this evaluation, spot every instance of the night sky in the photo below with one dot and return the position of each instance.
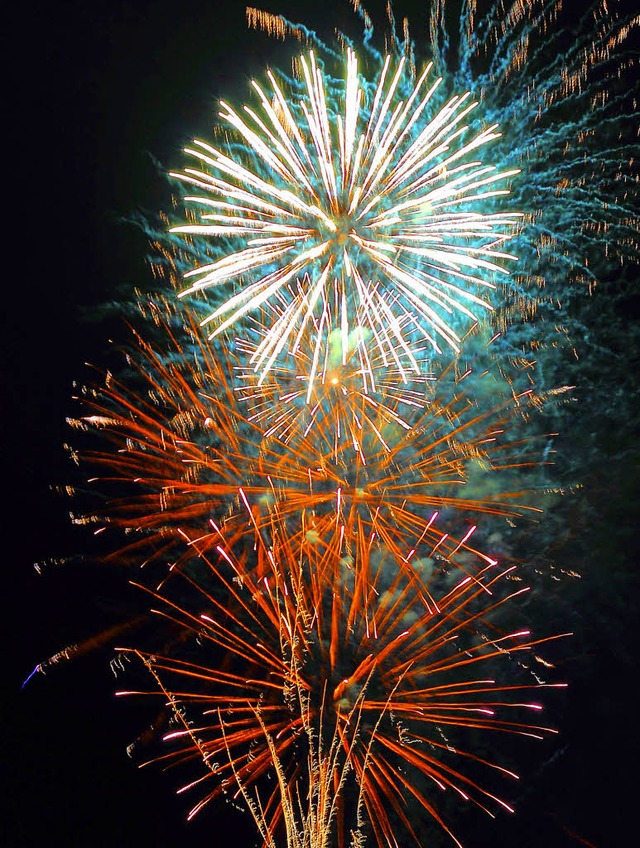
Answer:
(101, 95)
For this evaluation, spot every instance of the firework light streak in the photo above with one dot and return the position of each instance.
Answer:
(381, 206)
(277, 527)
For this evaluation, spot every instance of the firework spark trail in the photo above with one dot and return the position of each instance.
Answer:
(383, 205)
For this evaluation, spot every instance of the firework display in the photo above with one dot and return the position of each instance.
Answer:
(320, 495)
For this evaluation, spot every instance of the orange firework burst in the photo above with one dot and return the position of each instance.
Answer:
(326, 643)
(193, 430)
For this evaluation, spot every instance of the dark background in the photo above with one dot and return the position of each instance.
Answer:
(99, 93)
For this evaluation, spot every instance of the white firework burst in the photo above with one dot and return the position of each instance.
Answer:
(351, 216)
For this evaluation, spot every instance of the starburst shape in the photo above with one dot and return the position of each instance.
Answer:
(350, 206)
(191, 438)
(332, 640)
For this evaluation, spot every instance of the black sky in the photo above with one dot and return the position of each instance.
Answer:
(99, 93)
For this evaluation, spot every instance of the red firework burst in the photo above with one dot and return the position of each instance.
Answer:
(326, 643)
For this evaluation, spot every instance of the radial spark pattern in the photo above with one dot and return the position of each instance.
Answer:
(190, 431)
(356, 207)
(325, 638)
